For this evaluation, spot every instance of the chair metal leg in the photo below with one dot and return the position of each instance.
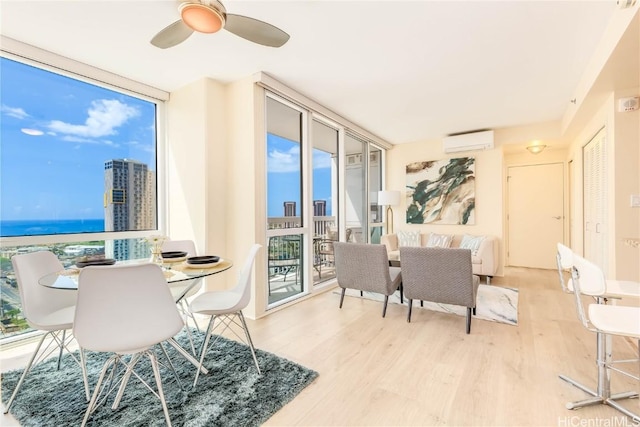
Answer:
(361, 293)
(468, 320)
(384, 307)
(204, 348)
(401, 292)
(186, 355)
(342, 296)
(253, 350)
(187, 314)
(421, 303)
(125, 378)
(156, 374)
(92, 404)
(85, 374)
(25, 372)
(64, 334)
(602, 394)
(474, 311)
(409, 314)
(171, 366)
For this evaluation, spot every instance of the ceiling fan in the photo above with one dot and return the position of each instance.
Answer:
(210, 16)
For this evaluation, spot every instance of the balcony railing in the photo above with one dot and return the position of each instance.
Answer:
(321, 224)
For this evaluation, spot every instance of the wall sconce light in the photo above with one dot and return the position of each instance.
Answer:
(536, 148)
(388, 199)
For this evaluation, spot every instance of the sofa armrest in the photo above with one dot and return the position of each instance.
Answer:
(390, 241)
(488, 252)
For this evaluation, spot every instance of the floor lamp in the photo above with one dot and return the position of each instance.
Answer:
(388, 199)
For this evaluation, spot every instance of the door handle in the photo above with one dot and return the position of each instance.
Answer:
(556, 217)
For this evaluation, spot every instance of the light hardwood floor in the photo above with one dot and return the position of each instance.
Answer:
(386, 372)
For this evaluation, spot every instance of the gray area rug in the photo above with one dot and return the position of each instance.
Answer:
(232, 394)
(493, 303)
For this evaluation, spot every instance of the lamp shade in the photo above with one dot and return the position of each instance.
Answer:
(388, 198)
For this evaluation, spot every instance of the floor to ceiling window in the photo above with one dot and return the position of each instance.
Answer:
(326, 226)
(78, 171)
(322, 183)
(357, 208)
(375, 185)
(286, 214)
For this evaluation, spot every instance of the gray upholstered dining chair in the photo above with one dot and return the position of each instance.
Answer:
(365, 267)
(441, 275)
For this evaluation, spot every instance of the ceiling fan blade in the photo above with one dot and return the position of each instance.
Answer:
(172, 35)
(255, 30)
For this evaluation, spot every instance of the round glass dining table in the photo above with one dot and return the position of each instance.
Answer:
(181, 277)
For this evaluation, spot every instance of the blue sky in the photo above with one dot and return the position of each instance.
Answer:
(283, 175)
(55, 135)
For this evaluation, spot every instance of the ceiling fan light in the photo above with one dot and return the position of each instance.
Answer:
(201, 18)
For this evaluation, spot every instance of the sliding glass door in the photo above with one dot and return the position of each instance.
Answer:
(375, 185)
(356, 188)
(324, 164)
(285, 195)
(322, 183)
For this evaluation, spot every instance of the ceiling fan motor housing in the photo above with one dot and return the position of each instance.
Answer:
(203, 17)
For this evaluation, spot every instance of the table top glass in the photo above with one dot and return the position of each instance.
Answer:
(176, 274)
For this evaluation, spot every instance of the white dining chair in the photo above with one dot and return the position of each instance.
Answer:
(226, 306)
(189, 247)
(614, 289)
(604, 320)
(124, 310)
(45, 309)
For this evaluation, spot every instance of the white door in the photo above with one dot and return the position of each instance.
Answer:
(535, 214)
(595, 199)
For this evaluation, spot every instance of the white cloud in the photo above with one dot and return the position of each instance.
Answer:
(18, 113)
(104, 116)
(284, 161)
(321, 161)
(32, 132)
(69, 138)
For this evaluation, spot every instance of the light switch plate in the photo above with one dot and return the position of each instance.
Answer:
(635, 200)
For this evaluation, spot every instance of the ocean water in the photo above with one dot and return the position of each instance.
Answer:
(15, 228)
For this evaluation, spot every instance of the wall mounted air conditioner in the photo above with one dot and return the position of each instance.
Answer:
(472, 141)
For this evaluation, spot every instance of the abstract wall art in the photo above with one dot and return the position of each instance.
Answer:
(441, 191)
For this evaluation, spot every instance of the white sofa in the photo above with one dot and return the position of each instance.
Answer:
(484, 260)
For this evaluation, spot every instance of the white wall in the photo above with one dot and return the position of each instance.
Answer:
(616, 75)
(246, 179)
(196, 168)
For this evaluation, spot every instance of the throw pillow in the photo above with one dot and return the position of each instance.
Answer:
(439, 240)
(471, 242)
(408, 238)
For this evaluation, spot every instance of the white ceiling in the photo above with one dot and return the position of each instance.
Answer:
(404, 70)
